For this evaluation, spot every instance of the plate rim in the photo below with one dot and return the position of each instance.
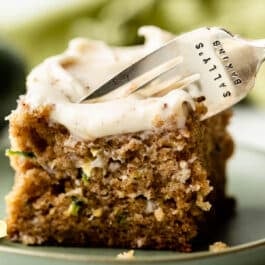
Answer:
(111, 259)
(174, 257)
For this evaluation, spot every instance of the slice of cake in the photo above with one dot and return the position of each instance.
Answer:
(134, 170)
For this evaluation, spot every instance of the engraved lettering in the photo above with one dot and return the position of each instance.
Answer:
(218, 77)
(199, 45)
(234, 74)
(237, 81)
(216, 43)
(213, 68)
(221, 51)
(226, 94)
(206, 60)
(229, 66)
(222, 85)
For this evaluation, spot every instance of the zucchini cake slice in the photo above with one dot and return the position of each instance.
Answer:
(133, 170)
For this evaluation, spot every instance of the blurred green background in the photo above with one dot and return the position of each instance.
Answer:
(31, 30)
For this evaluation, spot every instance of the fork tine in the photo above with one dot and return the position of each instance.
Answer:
(140, 67)
(178, 84)
(154, 74)
(170, 72)
(141, 81)
(165, 84)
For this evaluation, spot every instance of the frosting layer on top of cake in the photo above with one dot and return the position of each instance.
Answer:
(62, 80)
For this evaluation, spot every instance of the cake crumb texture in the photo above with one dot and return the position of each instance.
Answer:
(3, 229)
(153, 189)
(126, 255)
(218, 246)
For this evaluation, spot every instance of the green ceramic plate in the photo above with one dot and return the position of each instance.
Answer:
(245, 232)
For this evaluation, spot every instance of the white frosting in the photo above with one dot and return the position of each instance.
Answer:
(64, 79)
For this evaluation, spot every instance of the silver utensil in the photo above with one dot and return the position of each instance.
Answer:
(213, 65)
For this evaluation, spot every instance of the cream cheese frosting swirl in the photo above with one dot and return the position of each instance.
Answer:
(62, 80)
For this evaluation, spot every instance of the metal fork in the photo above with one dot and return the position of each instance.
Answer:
(210, 63)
